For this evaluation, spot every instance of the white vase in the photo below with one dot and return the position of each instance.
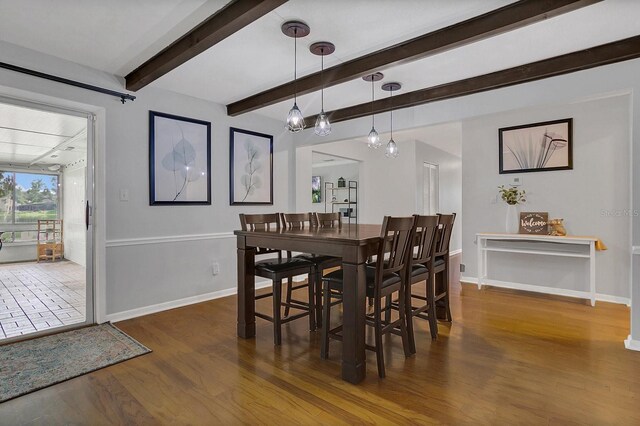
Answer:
(512, 225)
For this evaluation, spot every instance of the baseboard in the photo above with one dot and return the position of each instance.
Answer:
(549, 290)
(455, 252)
(633, 345)
(165, 306)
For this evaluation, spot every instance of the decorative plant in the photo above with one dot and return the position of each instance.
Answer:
(512, 196)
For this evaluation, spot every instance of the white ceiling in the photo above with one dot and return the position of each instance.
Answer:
(46, 138)
(118, 35)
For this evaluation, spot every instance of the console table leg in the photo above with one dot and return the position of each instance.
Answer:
(480, 262)
(592, 272)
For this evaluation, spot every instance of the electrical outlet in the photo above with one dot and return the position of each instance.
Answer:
(215, 269)
(462, 267)
(124, 194)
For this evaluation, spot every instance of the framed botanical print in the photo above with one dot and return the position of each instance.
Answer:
(536, 147)
(179, 160)
(250, 168)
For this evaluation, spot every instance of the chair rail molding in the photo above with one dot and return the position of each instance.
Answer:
(167, 239)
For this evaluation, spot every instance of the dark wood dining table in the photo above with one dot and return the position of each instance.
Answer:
(353, 243)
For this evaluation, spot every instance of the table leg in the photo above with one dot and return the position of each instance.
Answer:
(246, 290)
(354, 311)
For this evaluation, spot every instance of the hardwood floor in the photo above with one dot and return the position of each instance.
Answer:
(508, 358)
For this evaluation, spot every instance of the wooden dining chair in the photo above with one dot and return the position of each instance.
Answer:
(320, 262)
(425, 231)
(441, 266)
(385, 278)
(277, 269)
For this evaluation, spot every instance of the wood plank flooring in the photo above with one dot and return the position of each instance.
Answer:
(508, 358)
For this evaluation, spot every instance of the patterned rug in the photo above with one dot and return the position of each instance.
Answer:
(35, 364)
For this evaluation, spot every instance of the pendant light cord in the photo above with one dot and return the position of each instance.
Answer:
(391, 97)
(295, 65)
(373, 96)
(322, 79)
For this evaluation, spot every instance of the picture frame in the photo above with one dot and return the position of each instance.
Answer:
(179, 160)
(316, 189)
(536, 147)
(250, 168)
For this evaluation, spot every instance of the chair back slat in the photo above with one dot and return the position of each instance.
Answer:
(395, 246)
(328, 220)
(296, 220)
(261, 222)
(444, 233)
(425, 237)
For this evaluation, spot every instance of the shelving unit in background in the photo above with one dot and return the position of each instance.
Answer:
(50, 245)
(350, 207)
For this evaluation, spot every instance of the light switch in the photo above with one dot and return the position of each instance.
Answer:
(124, 194)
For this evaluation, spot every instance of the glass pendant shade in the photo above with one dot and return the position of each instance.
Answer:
(295, 120)
(323, 126)
(373, 140)
(392, 149)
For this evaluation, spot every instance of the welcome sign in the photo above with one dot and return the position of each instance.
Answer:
(534, 223)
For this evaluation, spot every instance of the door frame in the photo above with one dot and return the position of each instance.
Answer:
(95, 233)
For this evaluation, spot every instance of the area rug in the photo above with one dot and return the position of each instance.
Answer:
(35, 364)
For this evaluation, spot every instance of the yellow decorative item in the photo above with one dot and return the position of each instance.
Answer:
(600, 246)
(556, 227)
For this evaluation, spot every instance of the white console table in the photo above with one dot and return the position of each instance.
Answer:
(582, 247)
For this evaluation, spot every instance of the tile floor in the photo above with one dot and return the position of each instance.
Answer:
(39, 296)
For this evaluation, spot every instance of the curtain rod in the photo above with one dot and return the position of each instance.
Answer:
(123, 96)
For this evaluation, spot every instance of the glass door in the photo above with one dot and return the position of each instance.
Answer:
(46, 219)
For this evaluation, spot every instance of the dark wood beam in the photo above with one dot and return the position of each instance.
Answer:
(605, 54)
(231, 18)
(507, 18)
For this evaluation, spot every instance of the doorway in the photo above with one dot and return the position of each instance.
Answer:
(46, 195)
(431, 185)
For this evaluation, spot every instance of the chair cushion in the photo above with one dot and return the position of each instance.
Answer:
(418, 270)
(276, 266)
(438, 264)
(336, 279)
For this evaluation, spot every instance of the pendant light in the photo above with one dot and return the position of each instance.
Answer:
(295, 29)
(373, 140)
(322, 48)
(392, 148)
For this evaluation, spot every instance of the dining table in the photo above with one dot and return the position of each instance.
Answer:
(354, 243)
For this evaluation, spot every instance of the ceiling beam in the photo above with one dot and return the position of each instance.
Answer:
(228, 20)
(605, 54)
(507, 18)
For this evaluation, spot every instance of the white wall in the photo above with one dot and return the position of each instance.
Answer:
(597, 183)
(331, 173)
(73, 213)
(154, 255)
